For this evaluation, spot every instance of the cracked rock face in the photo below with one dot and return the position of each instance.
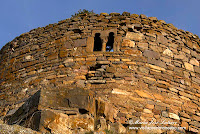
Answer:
(98, 73)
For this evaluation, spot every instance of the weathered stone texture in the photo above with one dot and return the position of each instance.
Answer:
(151, 73)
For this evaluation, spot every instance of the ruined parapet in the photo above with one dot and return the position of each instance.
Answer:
(138, 67)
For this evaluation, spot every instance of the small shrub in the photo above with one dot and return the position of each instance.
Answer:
(84, 11)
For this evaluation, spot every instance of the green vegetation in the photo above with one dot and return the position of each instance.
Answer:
(81, 12)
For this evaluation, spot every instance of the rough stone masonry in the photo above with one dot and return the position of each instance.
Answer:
(98, 73)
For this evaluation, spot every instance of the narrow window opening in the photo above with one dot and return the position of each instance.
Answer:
(97, 42)
(109, 44)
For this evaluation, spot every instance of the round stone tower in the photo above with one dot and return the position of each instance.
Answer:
(102, 73)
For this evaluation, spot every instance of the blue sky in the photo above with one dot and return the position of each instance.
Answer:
(20, 16)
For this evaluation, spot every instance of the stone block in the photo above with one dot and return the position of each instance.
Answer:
(189, 66)
(34, 47)
(90, 44)
(165, 114)
(144, 70)
(81, 77)
(142, 16)
(68, 60)
(186, 95)
(75, 98)
(114, 14)
(193, 129)
(63, 53)
(80, 43)
(126, 60)
(174, 116)
(189, 44)
(194, 61)
(161, 39)
(186, 50)
(133, 52)
(105, 14)
(156, 62)
(29, 58)
(119, 91)
(197, 80)
(185, 119)
(117, 128)
(156, 67)
(67, 45)
(185, 124)
(126, 14)
(69, 64)
(149, 106)
(144, 94)
(61, 123)
(143, 46)
(67, 82)
(195, 54)
(196, 118)
(197, 69)
(128, 43)
(165, 59)
(162, 21)
(195, 123)
(196, 46)
(56, 122)
(103, 62)
(180, 57)
(97, 81)
(91, 59)
(100, 58)
(134, 36)
(148, 111)
(111, 69)
(168, 52)
(149, 80)
(79, 59)
(135, 15)
(153, 18)
(52, 56)
(107, 109)
(32, 73)
(131, 63)
(113, 59)
(151, 54)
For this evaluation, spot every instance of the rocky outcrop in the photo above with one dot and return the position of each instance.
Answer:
(15, 129)
(146, 75)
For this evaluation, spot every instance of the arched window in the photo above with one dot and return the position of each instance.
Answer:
(109, 44)
(97, 42)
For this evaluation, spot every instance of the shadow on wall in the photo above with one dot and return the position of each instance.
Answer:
(109, 44)
(97, 42)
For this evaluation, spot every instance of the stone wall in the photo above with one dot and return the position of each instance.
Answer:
(153, 73)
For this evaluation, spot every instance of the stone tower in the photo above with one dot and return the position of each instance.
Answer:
(102, 73)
